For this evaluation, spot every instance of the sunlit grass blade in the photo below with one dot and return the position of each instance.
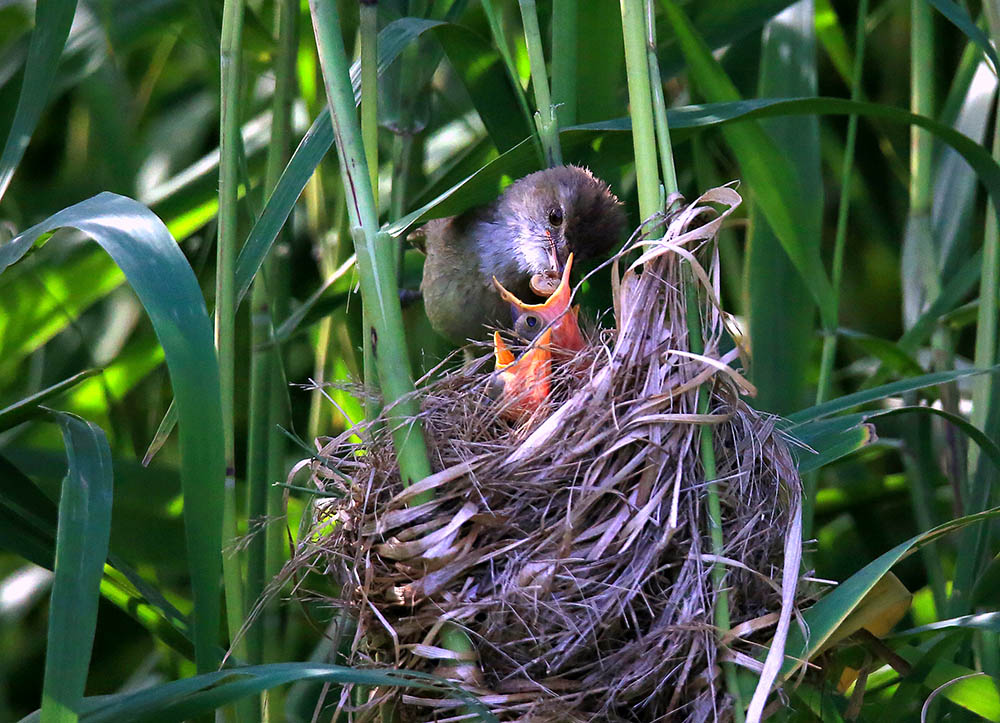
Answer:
(53, 19)
(150, 616)
(31, 319)
(188, 698)
(959, 17)
(823, 618)
(867, 396)
(28, 408)
(980, 621)
(81, 547)
(162, 279)
(972, 690)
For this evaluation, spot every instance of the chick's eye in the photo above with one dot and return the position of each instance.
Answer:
(527, 326)
(556, 216)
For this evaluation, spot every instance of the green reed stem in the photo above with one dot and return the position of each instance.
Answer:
(829, 353)
(985, 355)
(921, 103)
(641, 102)
(722, 622)
(985, 398)
(374, 251)
(369, 137)
(265, 443)
(261, 370)
(659, 105)
(277, 271)
(545, 117)
(565, 16)
(376, 265)
(225, 296)
(369, 89)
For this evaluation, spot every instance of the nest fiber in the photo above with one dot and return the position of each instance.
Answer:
(570, 553)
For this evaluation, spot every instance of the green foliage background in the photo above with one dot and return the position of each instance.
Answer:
(845, 278)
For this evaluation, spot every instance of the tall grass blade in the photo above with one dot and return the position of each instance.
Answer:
(768, 175)
(30, 407)
(781, 312)
(823, 618)
(959, 17)
(867, 396)
(81, 548)
(53, 19)
(162, 279)
(191, 697)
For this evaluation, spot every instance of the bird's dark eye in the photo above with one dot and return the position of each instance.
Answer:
(556, 216)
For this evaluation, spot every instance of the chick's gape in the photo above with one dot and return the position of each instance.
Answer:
(523, 239)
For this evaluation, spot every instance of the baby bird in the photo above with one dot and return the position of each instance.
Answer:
(523, 385)
(522, 239)
(553, 314)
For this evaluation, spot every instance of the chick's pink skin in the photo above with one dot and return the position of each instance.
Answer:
(554, 313)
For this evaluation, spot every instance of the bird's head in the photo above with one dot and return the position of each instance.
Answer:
(559, 211)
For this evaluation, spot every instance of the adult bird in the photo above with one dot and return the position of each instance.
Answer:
(523, 239)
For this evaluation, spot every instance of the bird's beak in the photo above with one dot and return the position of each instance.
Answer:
(554, 255)
(524, 384)
(555, 312)
(502, 356)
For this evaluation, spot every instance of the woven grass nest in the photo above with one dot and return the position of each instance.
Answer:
(573, 546)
